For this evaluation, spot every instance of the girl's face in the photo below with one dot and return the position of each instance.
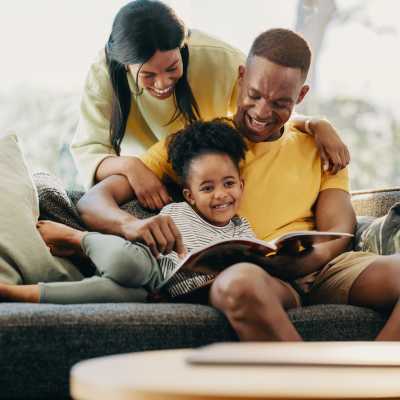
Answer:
(214, 188)
(160, 74)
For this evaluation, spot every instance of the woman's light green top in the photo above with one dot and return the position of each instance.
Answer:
(212, 75)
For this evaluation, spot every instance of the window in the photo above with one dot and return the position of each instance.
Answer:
(47, 47)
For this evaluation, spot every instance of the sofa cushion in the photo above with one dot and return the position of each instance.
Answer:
(59, 205)
(40, 343)
(54, 202)
(24, 257)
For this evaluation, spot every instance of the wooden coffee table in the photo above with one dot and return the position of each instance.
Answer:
(166, 375)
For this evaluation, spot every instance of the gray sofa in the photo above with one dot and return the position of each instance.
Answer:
(40, 343)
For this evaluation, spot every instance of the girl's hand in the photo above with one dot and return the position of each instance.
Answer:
(333, 152)
(149, 190)
(159, 233)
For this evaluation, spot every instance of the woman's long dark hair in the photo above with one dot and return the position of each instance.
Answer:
(140, 29)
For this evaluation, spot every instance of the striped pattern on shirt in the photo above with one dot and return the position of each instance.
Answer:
(196, 233)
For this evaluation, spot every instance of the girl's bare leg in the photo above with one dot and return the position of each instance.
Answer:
(19, 293)
(62, 240)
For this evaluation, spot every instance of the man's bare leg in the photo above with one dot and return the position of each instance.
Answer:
(255, 303)
(378, 287)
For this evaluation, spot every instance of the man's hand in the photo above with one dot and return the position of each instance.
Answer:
(333, 152)
(287, 265)
(149, 190)
(333, 212)
(159, 233)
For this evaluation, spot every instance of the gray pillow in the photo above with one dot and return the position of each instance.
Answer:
(382, 235)
(57, 204)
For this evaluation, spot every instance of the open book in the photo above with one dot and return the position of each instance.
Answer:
(219, 255)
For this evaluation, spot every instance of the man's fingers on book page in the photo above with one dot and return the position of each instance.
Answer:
(295, 247)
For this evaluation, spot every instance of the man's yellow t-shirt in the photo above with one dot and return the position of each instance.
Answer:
(212, 75)
(282, 181)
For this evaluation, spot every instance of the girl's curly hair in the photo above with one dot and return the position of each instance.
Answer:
(212, 137)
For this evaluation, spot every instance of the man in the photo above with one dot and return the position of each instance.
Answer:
(286, 189)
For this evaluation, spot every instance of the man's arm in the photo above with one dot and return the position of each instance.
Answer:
(333, 212)
(99, 209)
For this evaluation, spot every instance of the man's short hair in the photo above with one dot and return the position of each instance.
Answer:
(283, 47)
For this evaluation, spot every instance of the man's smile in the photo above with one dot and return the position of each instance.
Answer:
(258, 125)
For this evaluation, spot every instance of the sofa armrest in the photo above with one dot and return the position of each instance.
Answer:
(374, 202)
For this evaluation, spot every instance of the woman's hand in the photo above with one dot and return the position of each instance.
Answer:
(333, 152)
(159, 233)
(149, 190)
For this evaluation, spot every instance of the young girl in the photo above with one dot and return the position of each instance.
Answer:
(206, 157)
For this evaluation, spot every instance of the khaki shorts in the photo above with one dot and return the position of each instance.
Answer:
(332, 284)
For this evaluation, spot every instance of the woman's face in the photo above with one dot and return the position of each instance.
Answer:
(160, 74)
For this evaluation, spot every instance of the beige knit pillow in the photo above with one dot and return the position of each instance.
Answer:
(24, 258)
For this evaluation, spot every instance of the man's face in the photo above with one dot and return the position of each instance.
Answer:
(268, 93)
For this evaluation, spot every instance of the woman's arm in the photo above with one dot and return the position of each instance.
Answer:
(91, 143)
(146, 185)
(334, 153)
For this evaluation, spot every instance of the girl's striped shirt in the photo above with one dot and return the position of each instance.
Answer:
(196, 233)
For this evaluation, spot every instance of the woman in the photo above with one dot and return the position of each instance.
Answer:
(153, 78)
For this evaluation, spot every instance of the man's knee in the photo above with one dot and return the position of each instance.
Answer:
(390, 276)
(379, 284)
(239, 288)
